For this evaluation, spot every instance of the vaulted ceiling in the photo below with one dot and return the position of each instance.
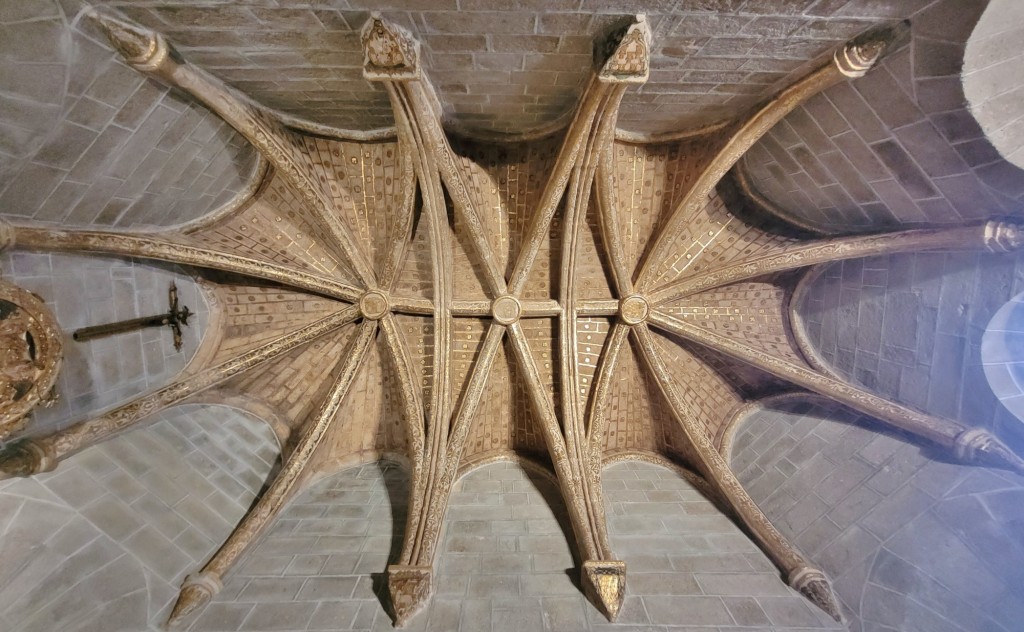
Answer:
(566, 234)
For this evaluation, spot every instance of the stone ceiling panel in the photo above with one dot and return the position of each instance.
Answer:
(874, 510)
(84, 291)
(512, 68)
(899, 147)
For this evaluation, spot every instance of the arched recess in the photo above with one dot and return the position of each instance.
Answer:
(87, 141)
(83, 291)
(103, 542)
(895, 147)
(319, 563)
(911, 543)
(1001, 355)
(505, 556)
(994, 77)
(909, 327)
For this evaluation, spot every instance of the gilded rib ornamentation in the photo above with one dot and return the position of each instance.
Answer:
(519, 328)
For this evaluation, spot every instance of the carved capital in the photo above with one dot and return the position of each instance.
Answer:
(628, 54)
(26, 457)
(813, 584)
(410, 588)
(389, 51)
(604, 581)
(1003, 236)
(6, 235)
(981, 447)
(196, 591)
(143, 49)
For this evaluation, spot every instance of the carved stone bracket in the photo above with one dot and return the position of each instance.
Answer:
(605, 584)
(815, 585)
(389, 51)
(410, 588)
(1003, 236)
(26, 457)
(629, 54)
(143, 49)
(861, 54)
(979, 446)
(196, 590)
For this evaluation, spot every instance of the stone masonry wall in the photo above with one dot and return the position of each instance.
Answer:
(84, 291)
(86, 140)
(912, 543)
(504, 563)
(509, 67)
(909, 327)
(897, 146)
(102, 543)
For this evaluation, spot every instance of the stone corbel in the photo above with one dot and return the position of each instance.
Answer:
(862, 53)
(26, 457)
(390, 53)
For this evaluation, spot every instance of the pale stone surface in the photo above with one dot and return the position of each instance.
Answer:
(898, 146)
(103, 542)
(909, 326)
(505, 563)
(911, 543)
(507, 67)
(83, 291)
(994, 77)
(85, 140)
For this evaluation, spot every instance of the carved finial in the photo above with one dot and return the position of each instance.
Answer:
(604, 581)
(814, 585)
(1003, 236)
(6, 234)
(196, 591)
(389, 51)
(25, 458)
(142, 48)
(410, 588)
(862, 52)
(981, 447)
(628, 54)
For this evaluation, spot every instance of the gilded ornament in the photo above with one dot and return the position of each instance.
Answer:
(31, 352)
(439, 392)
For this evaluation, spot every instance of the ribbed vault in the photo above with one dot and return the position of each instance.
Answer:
(576, 298)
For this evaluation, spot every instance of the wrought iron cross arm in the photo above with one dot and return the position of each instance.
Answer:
(174, 318)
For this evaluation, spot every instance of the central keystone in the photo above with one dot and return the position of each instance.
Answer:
(373, 304)
(506, 309)
(634, 309)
